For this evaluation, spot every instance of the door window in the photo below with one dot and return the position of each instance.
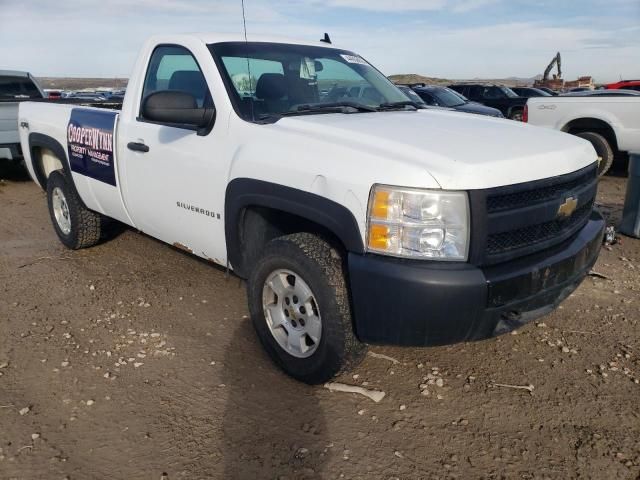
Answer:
(175, 68)
(475, 92)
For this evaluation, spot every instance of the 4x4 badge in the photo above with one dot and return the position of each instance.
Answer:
(568, 207)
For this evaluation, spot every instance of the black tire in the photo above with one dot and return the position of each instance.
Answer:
(320, 266)
(602, 148)
(516, 115)
(85, 225)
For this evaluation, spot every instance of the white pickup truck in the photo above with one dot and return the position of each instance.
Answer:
(15, 87)
(610, 123)
(354, 221)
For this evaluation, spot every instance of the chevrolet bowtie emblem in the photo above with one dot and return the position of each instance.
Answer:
(568, 207)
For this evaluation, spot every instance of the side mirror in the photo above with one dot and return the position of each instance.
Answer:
(176, 108)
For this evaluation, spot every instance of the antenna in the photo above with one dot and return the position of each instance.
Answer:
(244, 21)
(246, 42)
(326, 38)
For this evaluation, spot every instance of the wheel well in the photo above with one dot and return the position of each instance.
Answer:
(47, 161)
(258, 225)
(594, 125)
(514, 109)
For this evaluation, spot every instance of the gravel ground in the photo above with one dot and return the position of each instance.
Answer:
(134, 360)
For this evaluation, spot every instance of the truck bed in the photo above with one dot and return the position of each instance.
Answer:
(9, 134)
(64, 101)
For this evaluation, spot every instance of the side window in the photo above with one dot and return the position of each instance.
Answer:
(175, 68)
(493, 93)
(475, 92)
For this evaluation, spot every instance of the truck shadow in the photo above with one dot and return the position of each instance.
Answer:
(13, 171)
(620, 167)
(273, 426)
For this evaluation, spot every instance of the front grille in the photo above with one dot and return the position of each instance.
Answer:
(535, 234)
(496, 203)
(522, 219)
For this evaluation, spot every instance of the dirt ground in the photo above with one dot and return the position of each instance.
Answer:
(133, 360)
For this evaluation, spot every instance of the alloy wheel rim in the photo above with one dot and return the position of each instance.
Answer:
(292, 313)
(61, 210)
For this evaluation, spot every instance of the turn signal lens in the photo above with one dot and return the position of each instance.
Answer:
(379, 236)
(380, 207)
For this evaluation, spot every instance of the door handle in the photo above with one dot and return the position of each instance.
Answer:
(138, 147)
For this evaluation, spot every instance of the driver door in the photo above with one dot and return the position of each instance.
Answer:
(175, 177)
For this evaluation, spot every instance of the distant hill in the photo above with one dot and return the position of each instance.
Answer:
(415, 78)
(407, 78)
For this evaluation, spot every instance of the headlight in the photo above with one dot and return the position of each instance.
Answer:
(407, 222)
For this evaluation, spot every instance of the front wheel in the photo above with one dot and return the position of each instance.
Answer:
(299, 307)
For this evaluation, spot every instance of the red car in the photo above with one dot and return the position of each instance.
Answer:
(626, 84)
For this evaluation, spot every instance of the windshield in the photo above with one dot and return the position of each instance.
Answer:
(273, 79)
(448, 98)
(413, 96)
(18, 87)
(508, 92)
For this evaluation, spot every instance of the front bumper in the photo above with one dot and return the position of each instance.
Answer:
(419, 303)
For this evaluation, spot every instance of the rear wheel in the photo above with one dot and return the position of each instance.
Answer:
(516, 115)
(76, 226)
(299, 307)
(602, 148)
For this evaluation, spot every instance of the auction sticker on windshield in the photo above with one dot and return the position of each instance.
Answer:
(354, 59)
(90, 144)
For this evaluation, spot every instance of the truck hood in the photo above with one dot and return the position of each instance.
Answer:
(460, 151)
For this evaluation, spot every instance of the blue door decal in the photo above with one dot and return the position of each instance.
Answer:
(90, 143)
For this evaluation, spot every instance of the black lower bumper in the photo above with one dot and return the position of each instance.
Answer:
(408, 302)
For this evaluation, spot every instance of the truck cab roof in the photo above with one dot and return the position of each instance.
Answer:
(13, 73)
(217, 37)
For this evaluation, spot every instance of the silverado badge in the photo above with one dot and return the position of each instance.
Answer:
(568, 207)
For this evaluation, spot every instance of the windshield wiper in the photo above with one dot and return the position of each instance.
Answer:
(311, 108)
(340, 107)
(398, 105)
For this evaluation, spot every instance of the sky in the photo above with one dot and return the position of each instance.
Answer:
(456, 39)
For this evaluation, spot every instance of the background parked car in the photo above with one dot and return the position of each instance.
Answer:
(445, 97)
(610, 123)
(411, 95)
(90, 96)
(15, 87)
(625, 84)
(530, 92)
(579, 89)
(496, 96)
(553, 93)
(55, 94)
(602, 93)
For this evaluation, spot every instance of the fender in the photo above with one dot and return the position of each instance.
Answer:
(610, 121)
(40, 140)
(45, 141)
(247, 192)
